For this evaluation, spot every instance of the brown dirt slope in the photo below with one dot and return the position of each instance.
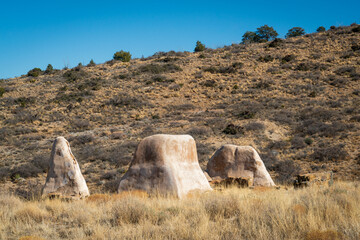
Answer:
(296, 101)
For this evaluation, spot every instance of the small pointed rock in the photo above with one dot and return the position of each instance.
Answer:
(64, 177)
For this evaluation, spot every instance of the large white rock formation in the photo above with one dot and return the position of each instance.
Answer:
(165, 164)
(64, 177)
(231, 161)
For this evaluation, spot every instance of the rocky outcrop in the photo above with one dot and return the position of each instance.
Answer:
(64, 177)
(165, 164)
(239, 162)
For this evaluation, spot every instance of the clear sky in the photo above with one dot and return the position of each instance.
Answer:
(64, 33)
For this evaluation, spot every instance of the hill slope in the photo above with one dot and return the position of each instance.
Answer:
(296, 101)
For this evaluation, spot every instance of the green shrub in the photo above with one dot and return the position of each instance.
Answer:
(277, 42)
(24, 101)
(122, 56)
(49, 69)
(199, 47)
(321, 29)
(288, 58)
(91, 63)
(308, 141)
(250, 37)
(266, 33)
(266, 58)
(356, 29)
(2, 91)
(35, 72)
(232, 129)
(295, 32)
(75, 74)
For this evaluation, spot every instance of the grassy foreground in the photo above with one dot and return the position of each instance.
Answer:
(260, 213)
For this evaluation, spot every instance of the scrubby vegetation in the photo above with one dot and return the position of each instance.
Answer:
(199, 47)
(260, 213)
(122, 56)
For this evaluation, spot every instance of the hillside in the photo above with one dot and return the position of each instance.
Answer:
(295, 100)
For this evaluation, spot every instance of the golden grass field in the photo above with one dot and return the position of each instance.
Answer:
(260, 213)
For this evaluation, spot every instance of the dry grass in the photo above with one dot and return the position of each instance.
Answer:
(312, 213)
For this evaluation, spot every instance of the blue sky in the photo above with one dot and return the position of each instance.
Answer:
(64, 33)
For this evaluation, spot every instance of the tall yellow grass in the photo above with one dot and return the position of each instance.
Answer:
(311, 213)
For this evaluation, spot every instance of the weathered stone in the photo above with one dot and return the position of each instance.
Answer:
(165, 164)
(310, 179)
(64, 177)
(243, 162)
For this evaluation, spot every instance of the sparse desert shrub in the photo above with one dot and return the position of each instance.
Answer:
(81, 139)
(286, 170)
(356, 29)
(23, 116)
(295, 32)
(78, 124)
(161, 79)
(273, 70)
(330, 153)
(175, 87)
(158, 69)
(109, 175)
(303, 67)
(233, 129)
(346, 71)
(71, 97)
(288, 58)
(318, 114)
(266, 58)
(321, 29)
(298, 142)
(308, 141)
(75, 74)
(91, 63)
(2, 91)
(263, 84)
(199, 47)
(90, 84)
(313, 126)
(233, 68)
(122, 56)
(181, 107)
(279, 145)
(211, 69)
(332, 27)
(49, 69)
(199, 131)
(168, 59)
(277, 42)
(270, 159)
(209, 83)
(35, 72)
(254, 126)
(25, 170)
(125, 100)
(247, 114)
